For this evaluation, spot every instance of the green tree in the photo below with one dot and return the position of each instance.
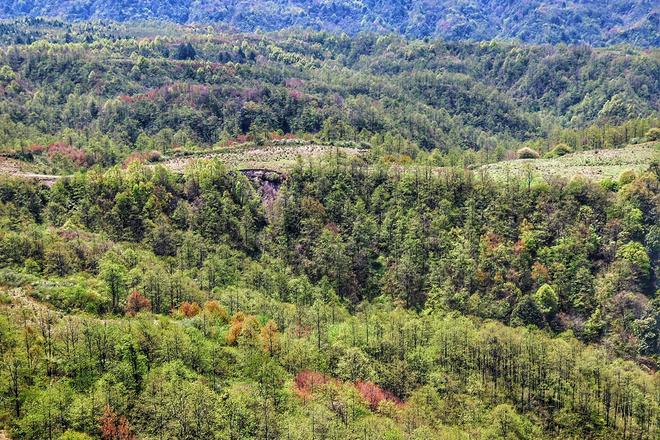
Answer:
(547, 299)
(114, 277)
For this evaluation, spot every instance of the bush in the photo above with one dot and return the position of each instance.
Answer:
(559, 150)
(526, 312)
(70, 298)
(627, 177)
(635, 254)
(609, 184)
(74, 435)
(527, 153)
(214, 310)
(373, 394)
(307, 382)
(189, 310)
(653, 134)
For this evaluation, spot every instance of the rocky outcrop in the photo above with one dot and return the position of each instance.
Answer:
(267, 183)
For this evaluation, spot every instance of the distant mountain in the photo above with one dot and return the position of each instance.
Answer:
(594, 22)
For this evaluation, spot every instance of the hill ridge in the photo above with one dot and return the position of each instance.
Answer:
(555, 21)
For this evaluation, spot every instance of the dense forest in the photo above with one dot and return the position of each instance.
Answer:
(78, 85)
(339, 311)
(554, 21)
(389, 288)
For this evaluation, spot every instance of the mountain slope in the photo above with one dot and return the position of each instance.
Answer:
(213, 86)
(120, 81)
(554, 21)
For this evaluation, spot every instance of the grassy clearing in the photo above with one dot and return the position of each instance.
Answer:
(593, 164)
(13, 166)
(278, 158)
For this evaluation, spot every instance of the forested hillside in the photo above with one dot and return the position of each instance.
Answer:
(307, 235)
(147, 303)
(108, 91)
(555, 21)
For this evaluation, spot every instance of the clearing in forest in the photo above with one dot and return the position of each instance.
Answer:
(592, 164)
(272, 157)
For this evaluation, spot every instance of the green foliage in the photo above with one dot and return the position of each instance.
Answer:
(635, 254)
(330, 281)
(258, 89)
(74, 435)
(653, 134)
(527, 153)
(547, 299)
(558, 151)
(626, 177)
(506, 423)
(391, 289)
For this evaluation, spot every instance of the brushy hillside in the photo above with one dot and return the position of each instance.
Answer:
(555, 21)
(291, 235)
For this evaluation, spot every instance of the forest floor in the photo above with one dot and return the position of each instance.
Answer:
(592, 164)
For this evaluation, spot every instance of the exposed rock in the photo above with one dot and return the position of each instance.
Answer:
(267, 183)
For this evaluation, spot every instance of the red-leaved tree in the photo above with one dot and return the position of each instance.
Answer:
(189, 310)
(114, 427)
(373, 394)
(306, 382)
(136, 303)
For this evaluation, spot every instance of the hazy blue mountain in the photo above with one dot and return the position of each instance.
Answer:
(535, 21)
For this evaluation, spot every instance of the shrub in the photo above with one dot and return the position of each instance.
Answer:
(635, 254)
(115, 427)
(609, 184)
(306, 382)
(526, 312)
(236, 327)
(653, 134)
(75, 435)
(68, 152)
(215, 310)
(559, 150)
(269, 337)
(153, 156)
(373, 394)
(69, 298)
(627, 177)
(189, 310)
(527, 153)
(506, 423)
(243, 327)
(31, 266)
